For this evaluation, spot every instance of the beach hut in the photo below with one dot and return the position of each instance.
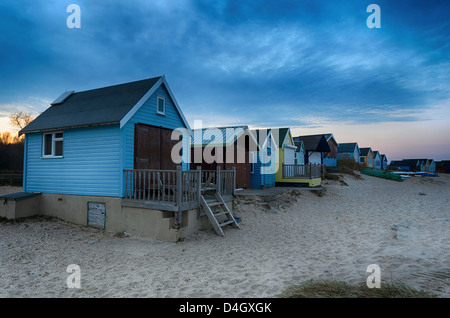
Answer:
(116, 158)
(384, 162)
(316, 147)
(226, 147)
(366, 157)
(427, 165)
(412, 165)
(416, 165)
(330, 158)
(348, 151)
(431, 166)
(286, 151)
(299, 152)
(265, 159)
(377, 160)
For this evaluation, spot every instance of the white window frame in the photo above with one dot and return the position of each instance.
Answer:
(54, 139)
(157, 105)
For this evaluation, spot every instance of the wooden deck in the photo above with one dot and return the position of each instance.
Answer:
(310, 171)
(175, 190)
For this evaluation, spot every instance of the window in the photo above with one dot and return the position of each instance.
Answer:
(160, 105)
(53, 145)
(362, 159)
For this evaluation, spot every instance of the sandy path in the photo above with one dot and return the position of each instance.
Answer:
(334, 236)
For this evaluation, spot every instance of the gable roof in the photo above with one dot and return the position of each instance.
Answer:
(347, 147)
(331, 136)
(300, 145)
(102, 106)
(258, 134)
(398, 163)
(314, 143)
(420, 161)
(376, 153)
(365, 151)
(283, 134)
(411, 163)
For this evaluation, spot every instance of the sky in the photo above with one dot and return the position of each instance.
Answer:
(312, 65)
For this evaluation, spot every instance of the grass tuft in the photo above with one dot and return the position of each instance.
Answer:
(340, 289)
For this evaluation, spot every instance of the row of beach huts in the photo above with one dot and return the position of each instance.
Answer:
(108, 158)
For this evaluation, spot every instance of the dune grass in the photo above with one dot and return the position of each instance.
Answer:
(339, 289)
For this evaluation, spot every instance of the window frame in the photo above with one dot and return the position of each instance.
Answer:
(53, 146)
(158, 98)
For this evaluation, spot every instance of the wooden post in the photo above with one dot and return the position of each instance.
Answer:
(179, 196)
(126, 184)
(218, 180)
(199, 185)
(234, 180)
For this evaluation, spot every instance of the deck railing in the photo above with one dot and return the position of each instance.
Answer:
(310, 171)
(151, 185)
(176, 190)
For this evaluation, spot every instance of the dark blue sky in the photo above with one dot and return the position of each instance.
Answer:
(263, 63)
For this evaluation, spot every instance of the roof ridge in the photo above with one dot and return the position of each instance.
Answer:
(116, 85)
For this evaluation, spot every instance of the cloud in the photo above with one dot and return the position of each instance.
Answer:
(263, 63)
(33, 105)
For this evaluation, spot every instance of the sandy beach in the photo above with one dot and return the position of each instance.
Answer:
(334, 234)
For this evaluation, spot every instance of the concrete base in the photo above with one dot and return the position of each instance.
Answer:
(138, 221)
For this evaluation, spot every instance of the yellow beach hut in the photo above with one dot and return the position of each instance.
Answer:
(289, 173)
(366, 157)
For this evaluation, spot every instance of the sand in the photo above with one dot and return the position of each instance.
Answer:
(333, 236)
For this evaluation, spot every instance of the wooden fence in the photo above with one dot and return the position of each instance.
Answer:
(310, 171)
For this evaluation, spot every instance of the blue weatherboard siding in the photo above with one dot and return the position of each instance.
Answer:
(259, 179)
(91, 163)
(330, 162)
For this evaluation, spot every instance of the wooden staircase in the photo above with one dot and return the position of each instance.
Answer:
(218, 213)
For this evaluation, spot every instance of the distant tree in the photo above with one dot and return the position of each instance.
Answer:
(5, 138)
(12, 147)
(20, 119)
(11, 153)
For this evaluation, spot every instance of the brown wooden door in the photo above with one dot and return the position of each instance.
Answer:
(153, 148)
(167, 145)
(243, 169)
